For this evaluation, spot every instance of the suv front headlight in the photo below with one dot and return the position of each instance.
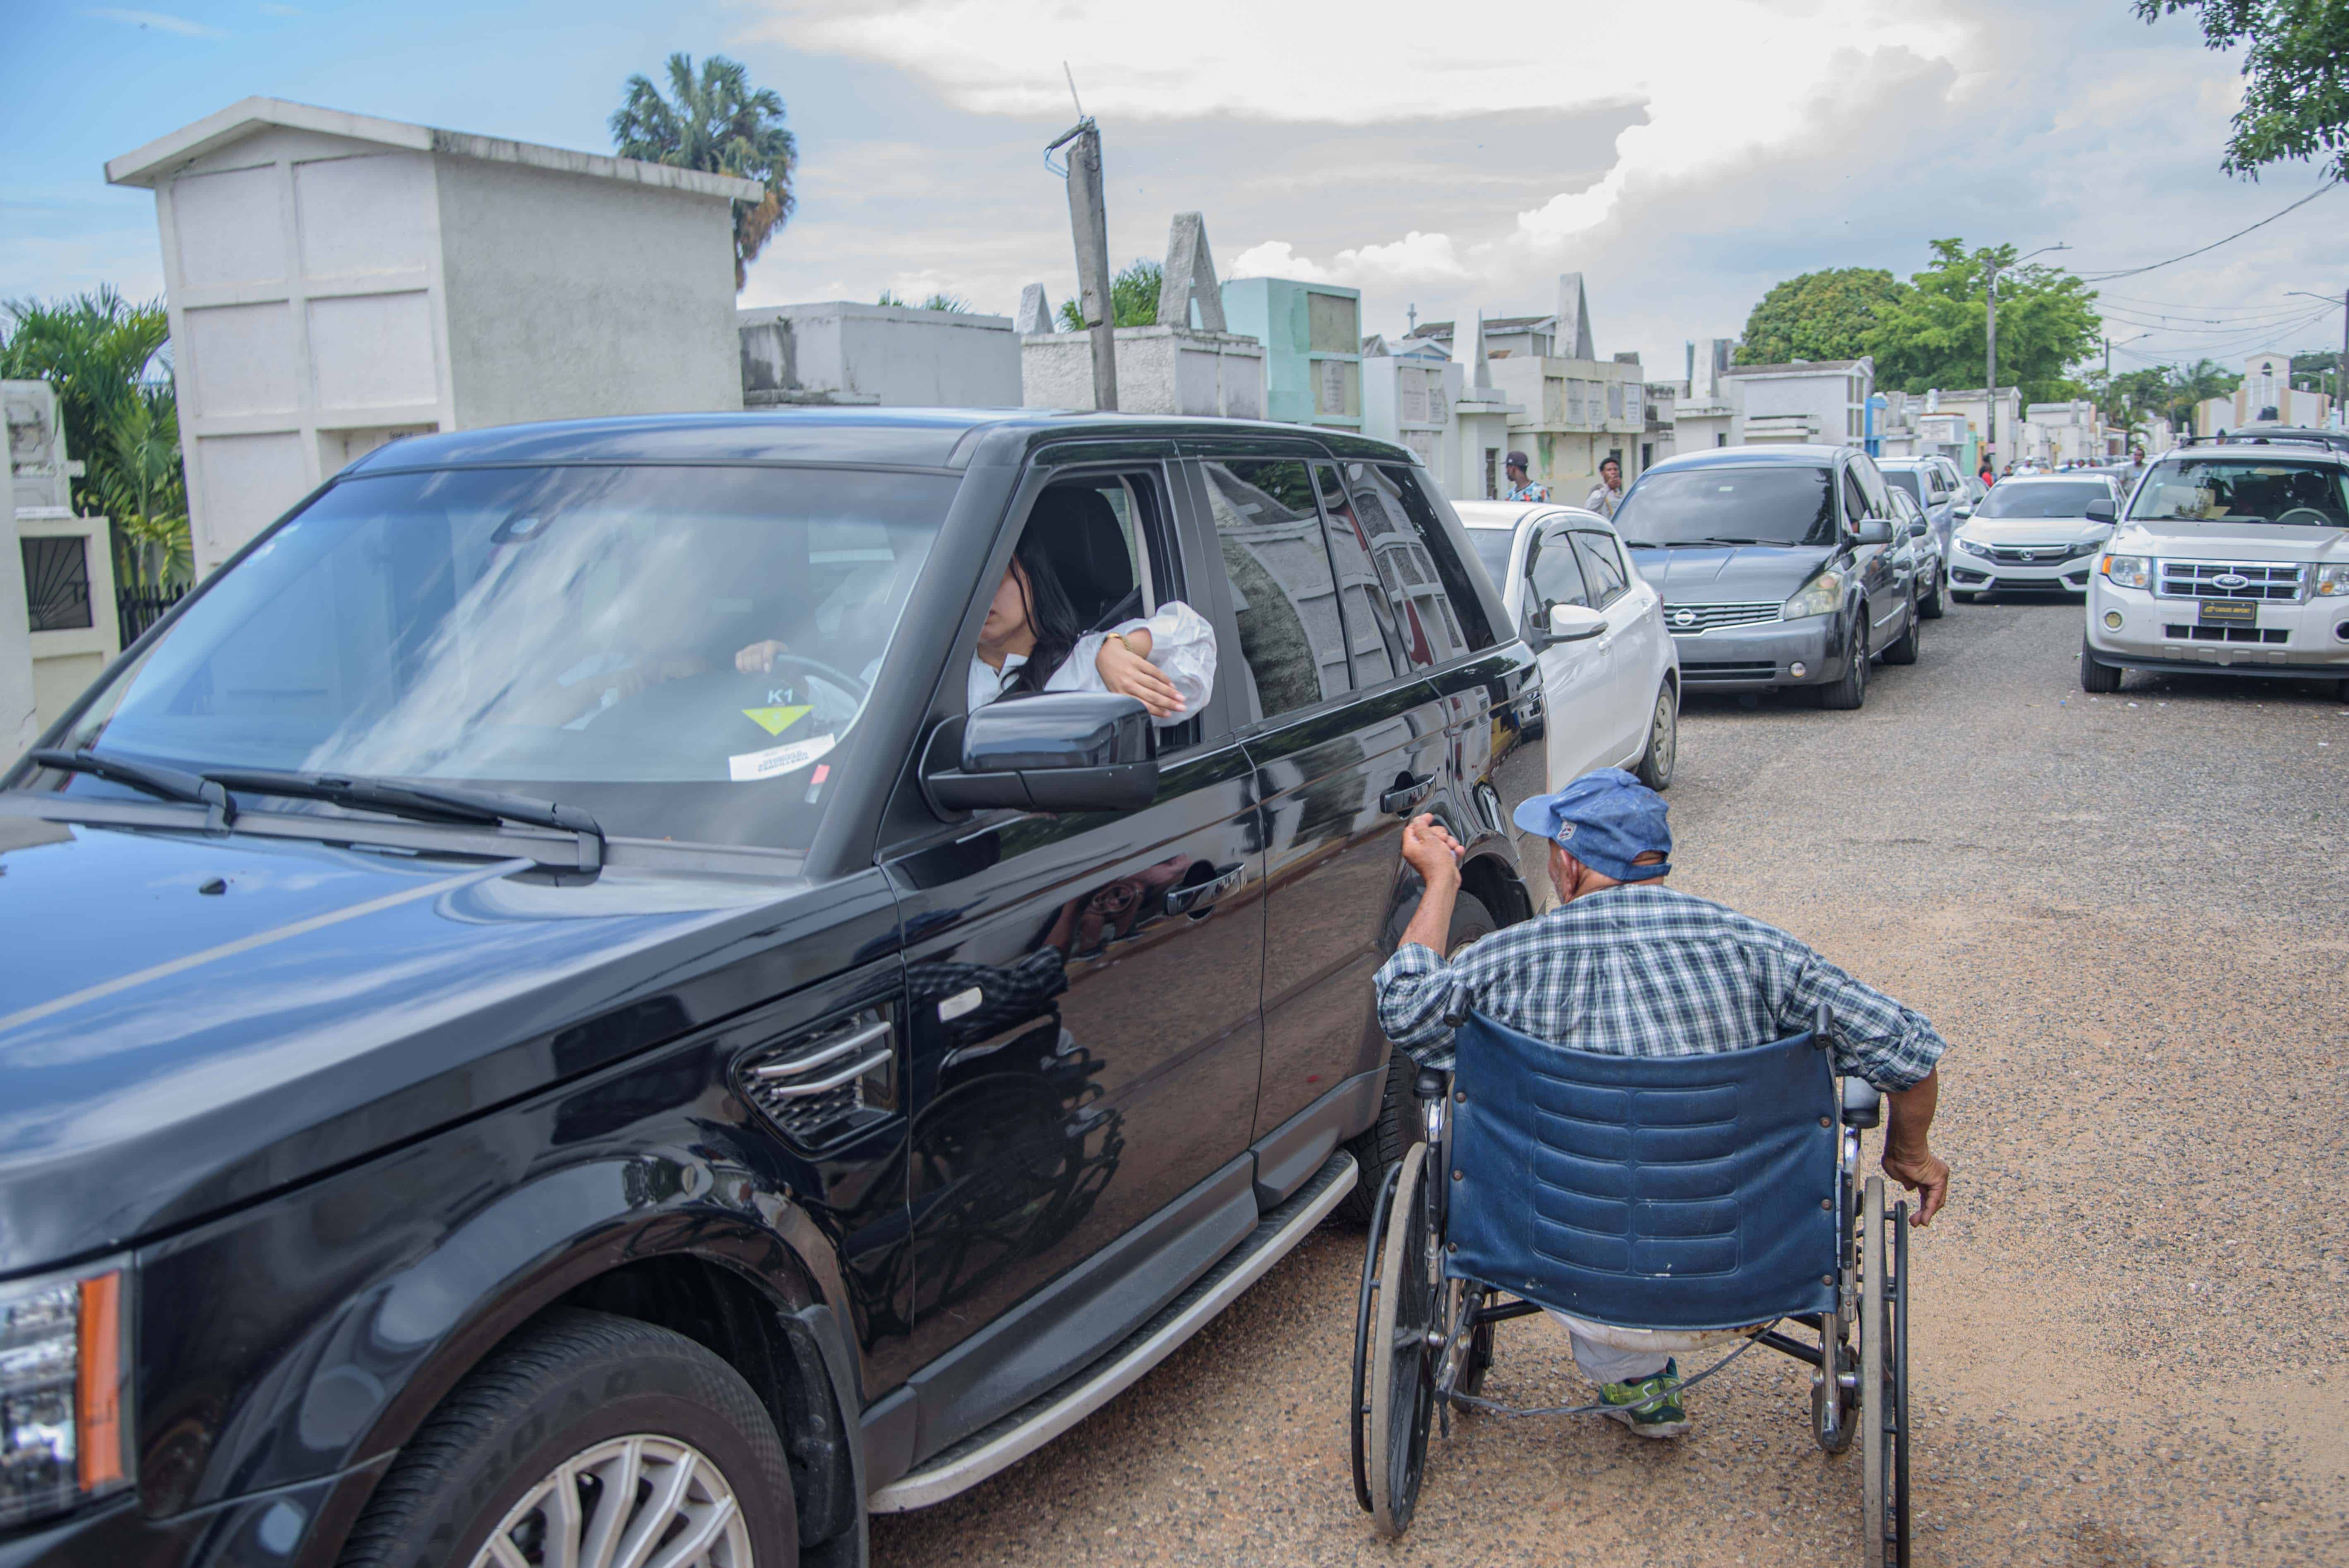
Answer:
(63, 1433)
(1970, 548)
(2332, 581)
(1822, 595)
(2129, 571)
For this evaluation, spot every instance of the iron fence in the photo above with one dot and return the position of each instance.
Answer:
(135, 611)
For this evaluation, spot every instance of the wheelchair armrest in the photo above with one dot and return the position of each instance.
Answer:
(1862, 1105)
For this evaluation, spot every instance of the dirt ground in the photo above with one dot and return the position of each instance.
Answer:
(2132, 1331)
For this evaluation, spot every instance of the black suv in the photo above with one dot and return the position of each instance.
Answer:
(491, 1064)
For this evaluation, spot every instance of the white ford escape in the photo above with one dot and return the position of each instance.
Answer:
(2233, 557)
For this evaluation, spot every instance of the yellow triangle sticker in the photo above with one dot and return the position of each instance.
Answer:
(775, 721)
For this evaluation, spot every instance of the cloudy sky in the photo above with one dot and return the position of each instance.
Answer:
(1449, 157)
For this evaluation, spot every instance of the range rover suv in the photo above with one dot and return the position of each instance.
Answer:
(493, 1071)
(2233, 558)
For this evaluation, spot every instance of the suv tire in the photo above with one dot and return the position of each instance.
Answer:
(554, 1393)
(2095, 676)
(1389, 1138)
(1905, 650)
(1850, 692)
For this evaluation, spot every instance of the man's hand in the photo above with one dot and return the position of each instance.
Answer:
(759, 657)
(1128, 674)
(1924, 1173)
(1431, 851)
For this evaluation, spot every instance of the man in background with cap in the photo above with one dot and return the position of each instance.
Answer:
(1624, 966)
(1519, 489)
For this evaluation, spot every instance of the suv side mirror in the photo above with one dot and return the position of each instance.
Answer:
(2101, 512)
(1053, 751)
(1920, 529)
(1871, 530)
(1568, 624)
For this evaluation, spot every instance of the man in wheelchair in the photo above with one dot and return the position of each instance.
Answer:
(1623, 967)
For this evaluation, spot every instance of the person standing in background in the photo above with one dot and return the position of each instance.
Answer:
(1608, 493)
(1519, 489)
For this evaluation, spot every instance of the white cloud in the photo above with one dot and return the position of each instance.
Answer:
(162, 22)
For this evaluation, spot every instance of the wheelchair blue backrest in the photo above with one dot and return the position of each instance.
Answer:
(1682, 1192)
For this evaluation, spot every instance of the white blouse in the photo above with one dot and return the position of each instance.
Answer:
(1182, 644)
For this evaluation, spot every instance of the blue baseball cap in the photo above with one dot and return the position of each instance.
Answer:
(1605, 820)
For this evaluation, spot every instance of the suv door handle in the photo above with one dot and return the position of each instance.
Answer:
(1200, 897)
(1404, 799)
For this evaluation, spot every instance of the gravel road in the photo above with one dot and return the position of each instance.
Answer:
(2132, 1330)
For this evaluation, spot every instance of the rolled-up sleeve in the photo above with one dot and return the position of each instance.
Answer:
(1415, 992)
(1182, 646)
(1892, 1047)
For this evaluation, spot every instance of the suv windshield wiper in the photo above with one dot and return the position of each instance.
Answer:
(423, 802)
(163, 783)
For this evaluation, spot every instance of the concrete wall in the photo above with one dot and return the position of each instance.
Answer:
(1576, 413)
(1159, 370)
(43, 670)
(1825, 402)
(572, 298)
(841, 352)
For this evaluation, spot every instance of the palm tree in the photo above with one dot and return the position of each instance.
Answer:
(715, 122)
(2197, 383)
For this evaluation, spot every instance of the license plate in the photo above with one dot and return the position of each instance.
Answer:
(2229, 612)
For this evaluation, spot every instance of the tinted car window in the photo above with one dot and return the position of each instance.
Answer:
(1603, 567)
(1284, 595)
(1413, 574)
(1771, 505)
(564, 632)
(2042, 498)
(1910, 482)
(1373, 630)
(1855, 496)
(1465, 604)
(1555, 575)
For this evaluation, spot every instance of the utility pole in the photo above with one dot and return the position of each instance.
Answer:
(1989, 299)
(1088, 223)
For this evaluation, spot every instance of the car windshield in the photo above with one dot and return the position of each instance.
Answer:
(569, 632)
(1492, 546)
(1771, 505)
(2042, 498)
(2239, 489)
(1906, 480)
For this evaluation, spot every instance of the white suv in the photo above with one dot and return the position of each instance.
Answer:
(2233, 558)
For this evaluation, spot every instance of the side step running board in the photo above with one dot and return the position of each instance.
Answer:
(1016, 1436)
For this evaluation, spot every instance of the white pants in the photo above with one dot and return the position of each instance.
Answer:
(1605, 1363)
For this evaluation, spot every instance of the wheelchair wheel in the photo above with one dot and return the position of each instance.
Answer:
(1899, 1348)
(1401, 1394)
(1883, 1528)
(1365, 1310)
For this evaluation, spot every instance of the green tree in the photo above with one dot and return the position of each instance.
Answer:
(718, 123)
(1818, 316)
(105, 357)
(2129, 398)
(2197, 383)
(2296, 102)
(2320, 370)
(1936, 332)
(1132, 297)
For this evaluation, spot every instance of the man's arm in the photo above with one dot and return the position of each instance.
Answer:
(1414, 987)
(1908, 1159)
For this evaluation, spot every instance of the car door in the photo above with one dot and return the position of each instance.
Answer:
(1880, 582)
(1574, 699)
(1347, 744)
(1625, 651)
(1085, 1014)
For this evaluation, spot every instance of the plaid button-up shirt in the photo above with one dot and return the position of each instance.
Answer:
(1641, 971)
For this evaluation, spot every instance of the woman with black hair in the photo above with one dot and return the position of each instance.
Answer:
(1031, 641)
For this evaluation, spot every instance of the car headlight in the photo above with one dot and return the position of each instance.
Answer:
(2333, 582)
(63, 1436)
(1822, 595)
(2129, 571)
(1970, 548)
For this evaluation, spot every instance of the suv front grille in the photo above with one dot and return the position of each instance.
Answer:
(2179, 633)
(2261, 579)
(2039, 554)
(1696, 620)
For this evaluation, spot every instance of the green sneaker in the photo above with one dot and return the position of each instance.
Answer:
(1651, 1407)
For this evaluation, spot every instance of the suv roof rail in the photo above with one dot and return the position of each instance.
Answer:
(2257, 438)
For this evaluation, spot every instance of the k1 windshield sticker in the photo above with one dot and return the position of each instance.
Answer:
(750, 766)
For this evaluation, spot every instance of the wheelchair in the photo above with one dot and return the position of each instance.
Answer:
(1675, 1204)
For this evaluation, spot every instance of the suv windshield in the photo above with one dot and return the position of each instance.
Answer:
(1741, 506)
(2042, 498)
(1905, 479)
(2241, 489)
(576, 634)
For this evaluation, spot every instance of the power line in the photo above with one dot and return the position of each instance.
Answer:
(2133, 272)
(2156, 305)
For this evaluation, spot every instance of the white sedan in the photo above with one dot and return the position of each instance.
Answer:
(1610, 671)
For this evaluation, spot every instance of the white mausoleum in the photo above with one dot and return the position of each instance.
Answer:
(336, 282)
